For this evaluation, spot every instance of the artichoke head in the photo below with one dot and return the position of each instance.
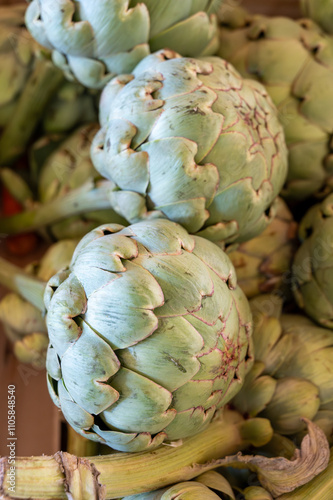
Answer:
(263, 263)
(149, 335)
(321, 11)
(95, 41)
(190, 140)
(312, 266)
(294, 60)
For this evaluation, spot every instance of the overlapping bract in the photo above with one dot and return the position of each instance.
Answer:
(294, 60)
(263, 263)
(190, 140)
(321, 11)
(292, 374)
(312, 267)
(149, 335)
(94, 41)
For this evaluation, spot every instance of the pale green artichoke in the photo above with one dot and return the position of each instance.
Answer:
(263, 263)
(321, 11)
(312, 267)
(149, 335)
(294, 60)
(292, 374)
(94, 41)
(190, 140)
(24, 323)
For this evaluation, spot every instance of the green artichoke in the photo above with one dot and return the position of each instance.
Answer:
(292, 374)
(149, 335)
(190, 140)
(92, 42)
(24, 323)
(321, 11)
(312, 267)
(263, 263)
(294, 61)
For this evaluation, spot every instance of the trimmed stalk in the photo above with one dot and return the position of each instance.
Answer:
(18, 281)
(87, 198)
(121, 474)
(44, 80)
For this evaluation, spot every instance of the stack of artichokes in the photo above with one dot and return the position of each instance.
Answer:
(174, 155)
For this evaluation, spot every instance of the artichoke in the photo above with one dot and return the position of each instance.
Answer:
(263, 263)
(190, 140)
(321, 11)
(294, 60)
(92, 42)
(24, 323)
(292, 374)
(312, 266)
(149, 335)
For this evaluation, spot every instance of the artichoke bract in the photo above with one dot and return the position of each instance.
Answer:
(294, 60)
(321, 11)
(263, 263)
(190, 140)
(292, 374)
(312, 266)
(94, 41)
(149, 335)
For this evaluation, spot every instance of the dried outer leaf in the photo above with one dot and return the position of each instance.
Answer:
(279, 475)
(320, 488)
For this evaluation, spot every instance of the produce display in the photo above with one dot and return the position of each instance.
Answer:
(165, 248)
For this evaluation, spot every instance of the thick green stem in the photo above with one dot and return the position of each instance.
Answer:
(44, 80)
(85, 199)
(30, 288)
(121, 474)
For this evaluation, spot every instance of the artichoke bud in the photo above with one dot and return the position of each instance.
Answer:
(32, 349)
(312, 270)
(180, 149)
(20, 316)
(293, 400)
(321, 11)
(149, 335)
(300, 85)
(94, 44)
(262, 264)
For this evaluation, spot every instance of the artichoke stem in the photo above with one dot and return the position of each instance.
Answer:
(82, 200)
(44, 80)
(121, 474)
(18, 281)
